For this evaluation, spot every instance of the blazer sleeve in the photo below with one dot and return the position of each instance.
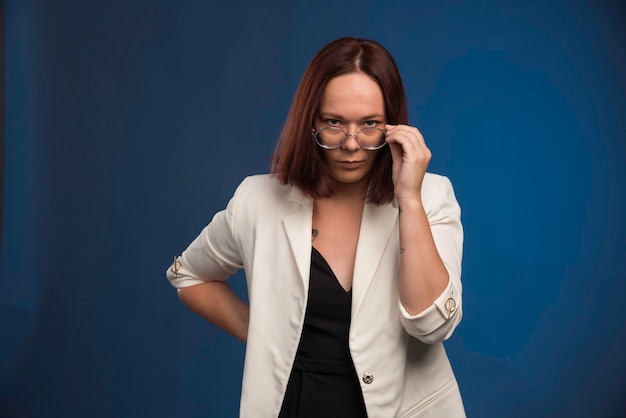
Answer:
(437, 322)
(215, 254)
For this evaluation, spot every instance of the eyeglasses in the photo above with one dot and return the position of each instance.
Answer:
(332, 138)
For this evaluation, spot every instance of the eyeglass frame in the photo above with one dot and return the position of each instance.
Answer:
(346, 135)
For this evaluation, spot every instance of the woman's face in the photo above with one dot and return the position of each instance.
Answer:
(351, 102)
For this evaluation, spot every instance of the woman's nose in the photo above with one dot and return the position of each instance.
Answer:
(351, 143)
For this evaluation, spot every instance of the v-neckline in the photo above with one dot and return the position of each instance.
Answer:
(330, 269)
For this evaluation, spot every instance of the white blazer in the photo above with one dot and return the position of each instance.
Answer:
(399, 358)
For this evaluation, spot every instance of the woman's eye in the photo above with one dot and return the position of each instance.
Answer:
(333, 122)
(370, 123)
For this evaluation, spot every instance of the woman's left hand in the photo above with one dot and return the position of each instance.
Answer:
(410, 159)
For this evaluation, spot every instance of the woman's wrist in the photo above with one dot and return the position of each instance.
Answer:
(410, 204)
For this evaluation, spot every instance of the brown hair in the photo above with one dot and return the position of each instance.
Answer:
(297, 160)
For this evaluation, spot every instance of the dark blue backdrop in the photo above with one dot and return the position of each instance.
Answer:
(128, 124)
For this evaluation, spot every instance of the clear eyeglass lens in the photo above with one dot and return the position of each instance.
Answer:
(368, 138)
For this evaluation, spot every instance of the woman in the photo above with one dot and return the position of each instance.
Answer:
(352, 255)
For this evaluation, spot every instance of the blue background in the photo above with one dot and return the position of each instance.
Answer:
(129, 123)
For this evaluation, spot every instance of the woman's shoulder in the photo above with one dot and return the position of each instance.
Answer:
(437, 191)
(263, 184)
(263, 198)
(264, 180)
(262, 189)
(434, 182)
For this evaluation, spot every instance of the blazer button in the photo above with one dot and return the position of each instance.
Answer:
(368, 378)
(450, 306)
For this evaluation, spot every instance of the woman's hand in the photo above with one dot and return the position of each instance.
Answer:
(410, 160)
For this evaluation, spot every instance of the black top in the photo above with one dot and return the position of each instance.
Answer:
(323, 381)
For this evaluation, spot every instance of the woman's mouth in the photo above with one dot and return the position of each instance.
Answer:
(350, 164)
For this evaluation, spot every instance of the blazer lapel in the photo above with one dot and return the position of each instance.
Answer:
(298, 228)
(377, 226)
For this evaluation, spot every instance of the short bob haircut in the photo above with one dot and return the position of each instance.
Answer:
(297, 160)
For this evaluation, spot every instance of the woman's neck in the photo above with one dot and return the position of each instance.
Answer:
(350, 193)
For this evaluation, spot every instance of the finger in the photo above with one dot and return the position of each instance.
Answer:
(412, 150)
(406, 140)
(396, 150)
(414, 134)
(405, 129)
(407, 133)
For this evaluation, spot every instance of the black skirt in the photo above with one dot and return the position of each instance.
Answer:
(323, 381)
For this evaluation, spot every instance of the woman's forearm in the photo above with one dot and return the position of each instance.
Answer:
(423, 275)
(218, 303)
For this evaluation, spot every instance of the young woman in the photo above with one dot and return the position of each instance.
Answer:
(352, 254)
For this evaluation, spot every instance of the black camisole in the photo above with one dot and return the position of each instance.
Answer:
(323, 381)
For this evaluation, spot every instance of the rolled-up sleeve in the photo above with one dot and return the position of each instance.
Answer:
(214, 255)
(437, 322)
